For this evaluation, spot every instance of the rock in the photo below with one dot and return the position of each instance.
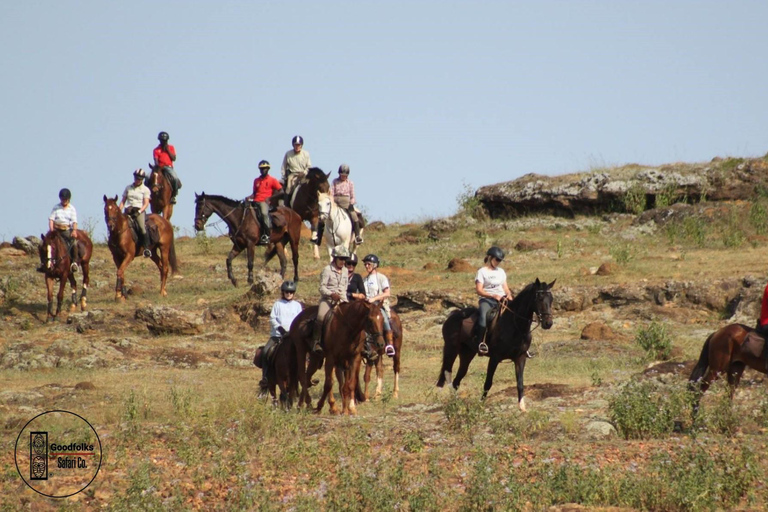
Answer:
(85, 386)
(527, 245)
(600, 429)
(376, 225)
(264, 283)
(20, 397)
(430, 301)
(167, 320)
(431, 265)
(460, 265)
(5, 245)
(29, 245)
(597, 331)
(86, 321)
(10, 252)
(607, 269)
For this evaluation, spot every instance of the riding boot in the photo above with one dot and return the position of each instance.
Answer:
(263, 383)
(145, 244)
(482, 347)
(356, 229)
(316, 333)
(75, 257)
(390, 346)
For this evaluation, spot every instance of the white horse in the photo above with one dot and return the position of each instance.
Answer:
(338, 226)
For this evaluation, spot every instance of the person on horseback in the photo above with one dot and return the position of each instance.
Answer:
(491, 286)
(164, 155)
(136, 201)
(343, 192)
(63, 218)
(264, 187)
(377, 288)
(284, 311)
(356, 287)
(333, 289)
(296, 162)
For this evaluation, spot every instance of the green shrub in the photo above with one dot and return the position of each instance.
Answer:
(644, 410)
(622, 253)
(666, 197)
(204, 242)
(468, 201)
(655, 340)
(464, 414)
(758, 217)
(634, 199)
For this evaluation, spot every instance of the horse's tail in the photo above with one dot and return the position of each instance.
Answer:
(172, 256)
(701, 367)
(359, 396)
(451, 328)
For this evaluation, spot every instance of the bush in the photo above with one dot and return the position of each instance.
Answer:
(643, 410)
(468, 201)
(655, 340)
(634, 199)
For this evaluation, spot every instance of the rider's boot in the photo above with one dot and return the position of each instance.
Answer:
(75, 258)
(145, 244)
(263, 383)
(482, 347)
(356, 228)
(316, 332)
(390, 348)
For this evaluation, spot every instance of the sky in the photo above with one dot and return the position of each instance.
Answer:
(422, 99)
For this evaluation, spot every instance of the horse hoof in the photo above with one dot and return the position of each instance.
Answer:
(83, 304)
(72, 308)
(522, 405)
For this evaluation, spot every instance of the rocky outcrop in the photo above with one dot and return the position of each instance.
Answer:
(604, 190)
(29, 244)
(167, 320)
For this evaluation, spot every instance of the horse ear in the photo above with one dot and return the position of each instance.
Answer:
(196, 196)
(328, 175)
(105, 198)
(550, 285)
(538, 282)
(115, 199)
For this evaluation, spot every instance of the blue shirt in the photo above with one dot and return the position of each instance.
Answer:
(283, 313)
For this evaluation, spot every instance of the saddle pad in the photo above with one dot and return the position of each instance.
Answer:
(753, 345)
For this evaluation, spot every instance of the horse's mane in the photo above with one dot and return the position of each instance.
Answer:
(523, 293)
(225, 200)
(316, 172)
(53, 236)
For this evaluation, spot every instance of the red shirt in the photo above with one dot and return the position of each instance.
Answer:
(264, 187)
(764, 309)
(162, 158)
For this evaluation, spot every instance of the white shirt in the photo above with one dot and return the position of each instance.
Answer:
(282, 315)
(134, 196)
(62, 215)
(375, 284)
(492, 280)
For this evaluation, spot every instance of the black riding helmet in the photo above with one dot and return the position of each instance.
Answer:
(496, 252)
(352, 260)
(264, 165)
(139, 173)
(371, 258)
(288, 287)
(298, 139)
(65, 194)
(163, 136)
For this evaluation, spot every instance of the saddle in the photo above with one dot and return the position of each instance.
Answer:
(470, 319)
(152, 233)
(753, 345)
(265, 354)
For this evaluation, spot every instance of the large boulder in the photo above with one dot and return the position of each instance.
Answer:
(29, 244)
(167, 320)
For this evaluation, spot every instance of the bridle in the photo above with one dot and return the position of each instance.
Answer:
(539, 316)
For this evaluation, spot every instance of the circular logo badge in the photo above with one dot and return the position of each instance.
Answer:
(58, 453)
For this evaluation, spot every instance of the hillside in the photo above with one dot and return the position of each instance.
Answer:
(177, 413)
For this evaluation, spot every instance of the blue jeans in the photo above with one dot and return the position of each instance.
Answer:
(485, 305)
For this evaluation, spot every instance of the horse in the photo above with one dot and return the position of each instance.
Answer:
(55, 263)
(378, 362)
(160, 186)
(282, 371)
(728, 350)
(307, 362)
(508, 336)
(338, 226)
(245, 231)
(304, 201)
(124, 248)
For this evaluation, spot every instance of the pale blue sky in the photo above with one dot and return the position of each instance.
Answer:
(417, 97)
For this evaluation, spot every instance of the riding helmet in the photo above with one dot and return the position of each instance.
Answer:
(139, 173)
(371, 258)
(288, 287)
(264, 165)
(340, 252)
(496, 252)
(65, 194)
(298, 139)
(352, 260)
(163, 136)
(343, 169)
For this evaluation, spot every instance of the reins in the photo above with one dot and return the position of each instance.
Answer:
(503, 307)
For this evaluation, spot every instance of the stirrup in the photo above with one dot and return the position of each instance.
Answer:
(390, 350)
(264, 240)
(529, 355)
(482, 349)
(316, 348)
(173, 199)
(359, 240)
(73, 267)
(147, 253)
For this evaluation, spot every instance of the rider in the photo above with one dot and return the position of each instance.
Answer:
(136, 201)
(356, 287)
(491, 286)
(284, 310)
(165, 155)
(63, 218)
(377, 288)
(296, 162)
(333, 289)
(263, 188)
(343, 191)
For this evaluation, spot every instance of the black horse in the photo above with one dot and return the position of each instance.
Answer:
(508, 336)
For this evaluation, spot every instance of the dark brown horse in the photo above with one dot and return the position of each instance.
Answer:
(124, 247)
(55, 262)
(245, 231)
(727, 351)
(307, 361)
(282, 371)
(304, 201)
(508, 337)
(378, 362)
(160, 200)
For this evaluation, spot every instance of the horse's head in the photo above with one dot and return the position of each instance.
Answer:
(324, 202)
(52, 250)
(374, 325)
(543, 302)
(202, 212)
(112, 213)
(318, 179)
(155, 180)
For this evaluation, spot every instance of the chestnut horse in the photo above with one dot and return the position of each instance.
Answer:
(55, 263)
(161, 189)
(378, 362)
(727, 351)
(508, 337)
(124, 248)
(245, 231)
(304, 201)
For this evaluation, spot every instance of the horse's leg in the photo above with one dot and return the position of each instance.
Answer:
(734, 376)
(466, 355)
(232, 255)
(450, 353)
(120, 282)
(295, 255)
(349, 384)
(379, 375)
(367, 380)
(250, 251)
(519, 370)
(161, 258)
(339, 371)
(327, 388)
(73, 285)
(49, 292)
(86, 280)
(396, 362)
(493, 363)
(301, 374)
(281, 256)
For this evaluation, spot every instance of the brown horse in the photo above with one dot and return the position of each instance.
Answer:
(307, 361)
(378, 362)
(124, 248)
(161, 189)
(55, 263)
(282, 371)
(304, 201)
(245, 231)
(727, 351)
(508, 337)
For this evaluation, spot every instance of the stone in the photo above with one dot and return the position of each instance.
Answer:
(167, 320)
(460, 265)
(597, 331)
(600, 429)
(527, 245)
(607, 269)
(27, 245)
